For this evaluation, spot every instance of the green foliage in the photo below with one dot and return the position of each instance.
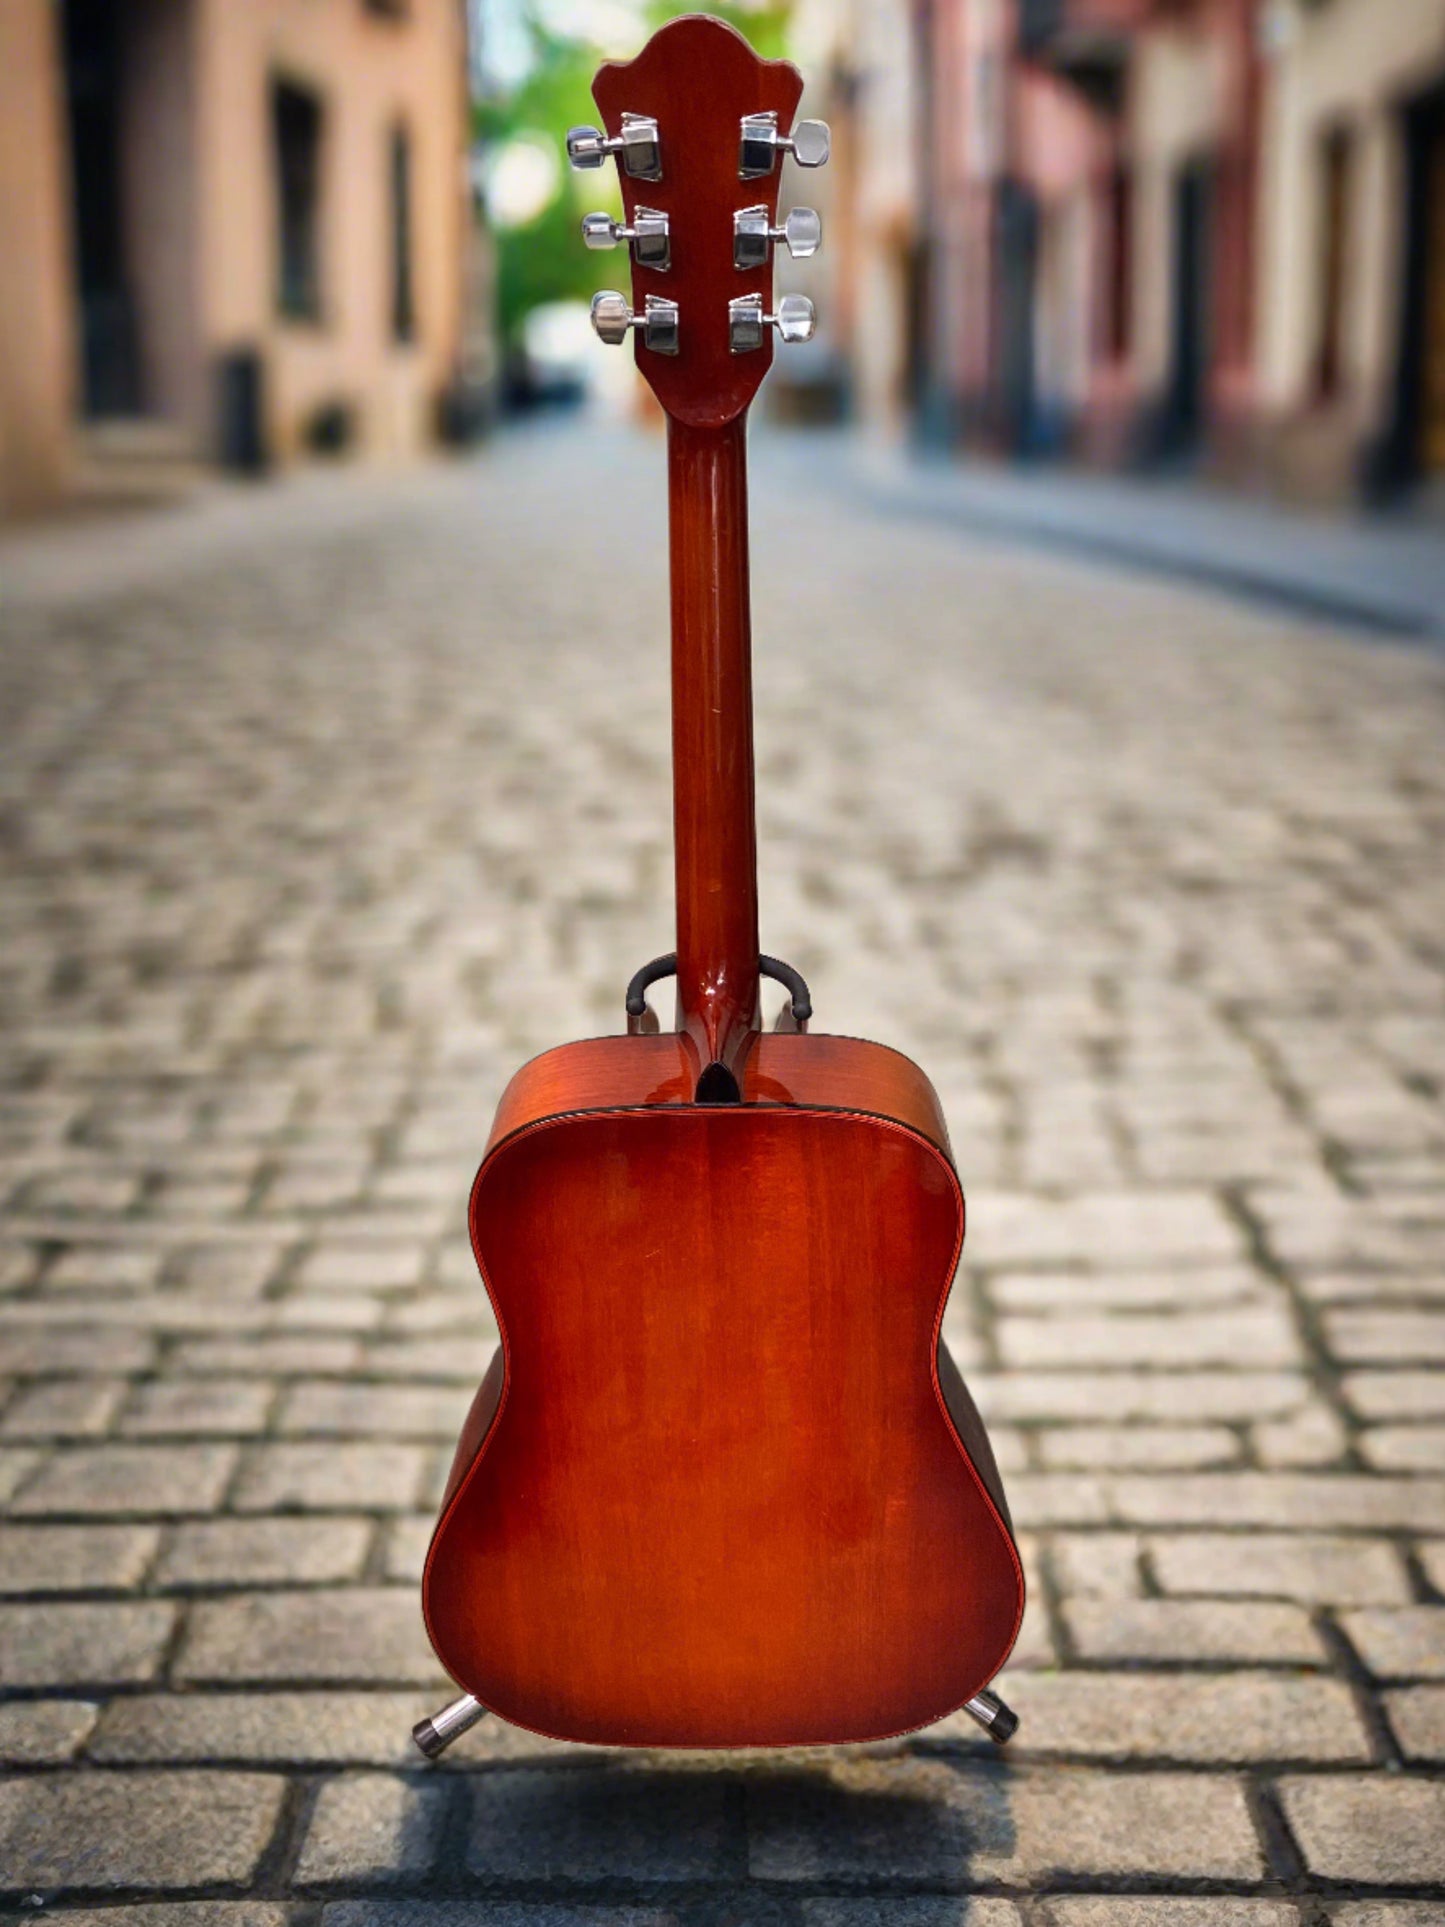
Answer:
(546, 261)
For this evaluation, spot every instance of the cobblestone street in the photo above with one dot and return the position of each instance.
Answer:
(324, 806)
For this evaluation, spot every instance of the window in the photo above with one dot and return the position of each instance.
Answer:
(403, 307)
(296, 132)
(1334, 262)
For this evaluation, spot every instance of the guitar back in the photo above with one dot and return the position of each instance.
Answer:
(721, 1500)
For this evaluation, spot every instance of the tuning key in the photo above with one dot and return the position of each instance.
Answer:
(651, 246)
(637, 146)
(809, 144)
(746, 321)
(612, 316)
(752, 236)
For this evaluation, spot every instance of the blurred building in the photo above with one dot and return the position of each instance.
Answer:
(1147, 231)
(232, 230)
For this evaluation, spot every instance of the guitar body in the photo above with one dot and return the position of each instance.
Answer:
(719, 1497)
(723, 1485)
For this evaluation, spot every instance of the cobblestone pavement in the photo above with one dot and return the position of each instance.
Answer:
(324, 807)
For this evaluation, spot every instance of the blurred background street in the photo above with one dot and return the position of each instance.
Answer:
(1099, 594)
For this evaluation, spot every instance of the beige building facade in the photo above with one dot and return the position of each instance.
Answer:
(239, 223)
(1350, 349)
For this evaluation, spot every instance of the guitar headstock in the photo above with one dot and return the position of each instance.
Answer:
(700, 127)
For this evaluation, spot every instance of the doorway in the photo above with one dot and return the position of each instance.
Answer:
(1413, 448)
(1190, 347)
(109, 362)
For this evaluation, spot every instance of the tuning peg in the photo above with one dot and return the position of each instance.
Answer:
(651, 247)
(637, 146)
(612, 317)
(752, 237)
(746, 321)
(809, 144)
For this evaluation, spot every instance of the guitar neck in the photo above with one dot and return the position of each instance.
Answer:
(714, 826)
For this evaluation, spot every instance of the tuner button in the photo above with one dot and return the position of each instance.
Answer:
(795, 318)
(586, 146)
(611, 317)
(600, 230)
(803, 232)
(811, 143)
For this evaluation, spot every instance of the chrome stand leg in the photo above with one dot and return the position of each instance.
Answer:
(435, 1735)
(997, 1720)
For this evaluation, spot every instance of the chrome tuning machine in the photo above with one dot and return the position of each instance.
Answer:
(794, 321)
(802, 232)
(809, 144)
(612, 316)
(637, 147)
(651, 244)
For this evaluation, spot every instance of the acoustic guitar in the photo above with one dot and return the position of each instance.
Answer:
(722, 1485)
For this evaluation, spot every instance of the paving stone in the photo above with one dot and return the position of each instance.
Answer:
(43, 1559)
(1319, 1502)
(407, 1541)
(499, 1913)
(199, 1407)
(376, 1265)
(623, 1821)
(1120, 1227)
(128, 1830)
(1146, 1446)
(1114, 1397)
(877, 1820)
(1263, 1334)
(1187, 1629)
(73, 1644)
(373, 1827)
(953, 1912)
(62, 1408)
(279, 1478)
(1116, 1910)
(120, 1267)
(1404, 1448)
(1318, 1571)
(354, 1728)
(1408, 1643)
(1364, 1336)
(1370, 1828)
(1396, 1395)
(160, 1479)
(33, 1353)
(366, 1634)
(1226, 1718)
(368, 1411)
(251, 1552)
(1096, 1562)
(267, 1354)
(182, 1913)
(15, 1468)
(43, 1732)
(1418, 1716)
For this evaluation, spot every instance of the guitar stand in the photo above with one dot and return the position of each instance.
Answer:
(435, 1735)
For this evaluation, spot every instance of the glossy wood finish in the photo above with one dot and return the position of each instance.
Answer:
(698, 76)
(629, 1073)
(714, 834)
(722, 1501)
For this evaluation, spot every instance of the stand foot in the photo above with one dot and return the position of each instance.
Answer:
(435, 1735)
(1000, 1722)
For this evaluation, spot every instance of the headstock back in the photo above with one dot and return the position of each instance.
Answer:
(698, 78)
